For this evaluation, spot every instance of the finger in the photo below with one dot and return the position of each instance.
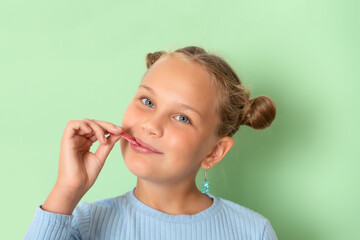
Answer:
(86, 145)
(89, 135)
(103, 150)
(99, 132)
(74, 127)
(85, 130)
(93, 138)
(113, 137)
(109, 127)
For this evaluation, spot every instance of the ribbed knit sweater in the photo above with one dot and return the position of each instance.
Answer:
(126, 217)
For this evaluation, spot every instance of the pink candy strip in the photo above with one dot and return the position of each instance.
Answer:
(127, 137)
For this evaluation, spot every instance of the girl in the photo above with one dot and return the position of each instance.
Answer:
(187, 108)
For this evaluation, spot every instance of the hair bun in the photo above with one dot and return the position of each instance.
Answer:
(259, 113)
(153, 57)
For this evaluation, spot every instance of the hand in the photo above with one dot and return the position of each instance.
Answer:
(78, 167)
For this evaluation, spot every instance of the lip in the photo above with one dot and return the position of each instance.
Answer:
(147, 146)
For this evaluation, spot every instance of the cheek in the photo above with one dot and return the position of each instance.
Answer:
(131, 116)
(182, 145)
(187, 147)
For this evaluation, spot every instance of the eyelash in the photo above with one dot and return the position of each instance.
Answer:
(189, 121)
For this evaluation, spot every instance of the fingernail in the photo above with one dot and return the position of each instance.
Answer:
(118, 127)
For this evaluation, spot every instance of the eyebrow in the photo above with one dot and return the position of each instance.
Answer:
(181, 105)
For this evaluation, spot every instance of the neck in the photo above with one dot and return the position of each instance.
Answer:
(183, 198)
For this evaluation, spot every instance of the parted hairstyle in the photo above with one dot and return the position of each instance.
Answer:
(232, 103)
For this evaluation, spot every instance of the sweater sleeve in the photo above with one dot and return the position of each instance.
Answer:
(269, 233)
(55, 226)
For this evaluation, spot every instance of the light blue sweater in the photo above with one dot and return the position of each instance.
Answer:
(126, 217)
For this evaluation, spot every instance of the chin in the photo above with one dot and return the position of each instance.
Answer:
(141, 165)
(145, 172)
(137, 166)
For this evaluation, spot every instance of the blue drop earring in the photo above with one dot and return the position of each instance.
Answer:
(205, 183)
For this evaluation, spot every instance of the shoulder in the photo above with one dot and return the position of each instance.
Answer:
(241, 211)
(89, 217)
(247, 220)
(103, 205)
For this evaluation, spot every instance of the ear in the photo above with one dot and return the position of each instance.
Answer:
(218, 152)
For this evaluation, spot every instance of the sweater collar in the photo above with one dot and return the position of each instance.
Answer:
(145, 209)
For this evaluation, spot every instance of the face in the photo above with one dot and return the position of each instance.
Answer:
(155, 116)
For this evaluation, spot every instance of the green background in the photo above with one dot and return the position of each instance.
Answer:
(68, 60)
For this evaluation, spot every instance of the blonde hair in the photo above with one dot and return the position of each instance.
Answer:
(233, 104)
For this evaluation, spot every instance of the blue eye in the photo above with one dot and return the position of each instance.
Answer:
(188, 121)
(147, 101)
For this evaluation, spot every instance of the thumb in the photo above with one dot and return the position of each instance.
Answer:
(104, 149)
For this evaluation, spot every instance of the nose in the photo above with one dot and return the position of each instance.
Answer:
(152, 125)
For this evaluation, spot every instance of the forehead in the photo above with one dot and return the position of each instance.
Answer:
(177, 80)
(178, 69)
